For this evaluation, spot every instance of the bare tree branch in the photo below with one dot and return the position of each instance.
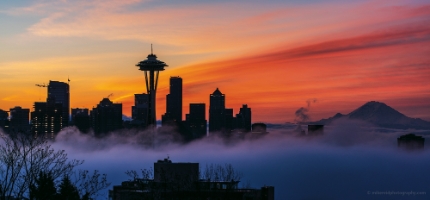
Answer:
(23, 157)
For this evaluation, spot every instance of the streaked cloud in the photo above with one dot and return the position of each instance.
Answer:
(272, 56)
(367, 67)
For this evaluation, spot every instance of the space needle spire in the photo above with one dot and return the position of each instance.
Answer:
(152, 67)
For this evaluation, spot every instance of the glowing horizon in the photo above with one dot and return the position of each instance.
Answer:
(271, 56)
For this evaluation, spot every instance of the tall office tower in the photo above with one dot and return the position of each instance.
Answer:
(60, 91)
(81, 119)
(139, 112)
(228, 120)
(4, 121)
(151, 66)
(47, 118)
(174, 101)
(196, 120)
(106, 117)
(19, 120)
(243, 119)
(216, 111)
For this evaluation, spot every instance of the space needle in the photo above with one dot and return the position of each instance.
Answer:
(151, 66)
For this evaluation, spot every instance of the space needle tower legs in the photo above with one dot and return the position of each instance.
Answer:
(151, 67)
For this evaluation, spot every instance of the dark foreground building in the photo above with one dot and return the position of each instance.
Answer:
(410, 142)
(181, 181)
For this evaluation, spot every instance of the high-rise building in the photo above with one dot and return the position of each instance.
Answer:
(216, 111)
(4, 121)
(228, 120)
(106, 117)
(196, 120)
(174, 101)
(139, 112)
(61, 92)
(81, 119)
(243, 119)
(19, 120)
(47, 118)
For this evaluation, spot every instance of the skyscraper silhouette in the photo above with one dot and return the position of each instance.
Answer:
(228, 120)
(60, 91)
(47, 118)
(4, 122)
(196, 120)
(243, 119)
(139, 112)
(19, 120)
(106, 117)
(174, 101)
(151, 66)
(216, 111)
(81, 119)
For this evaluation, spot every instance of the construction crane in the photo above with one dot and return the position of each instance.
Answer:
(40, 85)
(110, 95)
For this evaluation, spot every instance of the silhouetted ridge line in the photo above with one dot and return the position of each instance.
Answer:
(382, 115)
(376, 111)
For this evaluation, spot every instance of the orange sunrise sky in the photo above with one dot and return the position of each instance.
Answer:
(271, 55)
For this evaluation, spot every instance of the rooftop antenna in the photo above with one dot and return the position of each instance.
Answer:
(68, 80)
(151, 49)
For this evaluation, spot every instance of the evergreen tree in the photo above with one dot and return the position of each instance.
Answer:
(86, 197)
(44, 188)
(67, 191)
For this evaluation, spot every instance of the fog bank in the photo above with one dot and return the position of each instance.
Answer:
(352, 160)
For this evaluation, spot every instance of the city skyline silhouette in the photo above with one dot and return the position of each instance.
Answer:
(351, 61)
(320, 99)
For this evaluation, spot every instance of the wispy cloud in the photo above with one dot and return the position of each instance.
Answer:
(281, 53)
(206, 27)
(372, 66)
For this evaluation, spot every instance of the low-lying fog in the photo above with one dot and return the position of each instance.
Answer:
(350, 161)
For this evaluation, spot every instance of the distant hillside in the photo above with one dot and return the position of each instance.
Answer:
(380, 114)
